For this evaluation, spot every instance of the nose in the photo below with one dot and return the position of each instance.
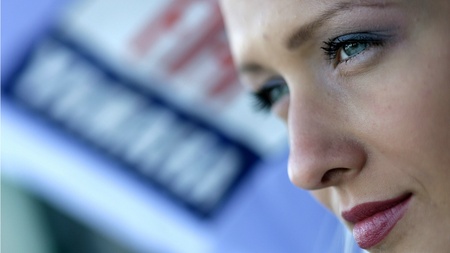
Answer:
(323, 152)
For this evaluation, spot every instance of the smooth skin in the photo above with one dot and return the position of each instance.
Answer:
(372, 121)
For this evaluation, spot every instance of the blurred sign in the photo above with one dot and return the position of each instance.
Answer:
(152, 85)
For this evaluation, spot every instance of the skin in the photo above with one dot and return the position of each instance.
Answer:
(368, 129)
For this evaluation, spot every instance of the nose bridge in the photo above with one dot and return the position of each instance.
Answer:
(322, 152)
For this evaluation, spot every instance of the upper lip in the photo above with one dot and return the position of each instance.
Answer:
(369, 209)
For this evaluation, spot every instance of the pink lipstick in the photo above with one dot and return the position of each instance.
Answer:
(374, 220)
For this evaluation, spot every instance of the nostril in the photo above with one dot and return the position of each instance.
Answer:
(333, 175)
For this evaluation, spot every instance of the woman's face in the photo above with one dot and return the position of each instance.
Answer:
(364, 89)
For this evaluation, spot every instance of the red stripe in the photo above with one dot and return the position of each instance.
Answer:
(155, 27)
(216, 26)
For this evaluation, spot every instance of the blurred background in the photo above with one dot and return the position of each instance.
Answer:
(124, 129)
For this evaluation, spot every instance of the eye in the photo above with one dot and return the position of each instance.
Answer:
(270, 94)
(352, 49)
(345, 47)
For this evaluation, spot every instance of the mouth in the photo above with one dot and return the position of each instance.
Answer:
(374, 220)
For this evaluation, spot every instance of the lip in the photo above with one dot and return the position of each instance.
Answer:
(374, 220)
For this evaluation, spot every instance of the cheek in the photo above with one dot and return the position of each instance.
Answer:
(281, 108)
(405, 104)
(410, 123)
(326, 198)
(403, 116)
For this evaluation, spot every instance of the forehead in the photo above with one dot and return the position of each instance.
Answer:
(261, 20)
(253, 25)
(258, 12)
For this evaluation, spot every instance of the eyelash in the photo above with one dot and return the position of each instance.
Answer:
(334, 46)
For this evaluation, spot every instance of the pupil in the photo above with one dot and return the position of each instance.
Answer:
(354, 48)
(278, 92)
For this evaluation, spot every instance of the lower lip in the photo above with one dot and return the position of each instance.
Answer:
(373, 230)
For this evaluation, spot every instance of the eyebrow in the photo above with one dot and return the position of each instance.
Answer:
(250, 68)
(306, 32)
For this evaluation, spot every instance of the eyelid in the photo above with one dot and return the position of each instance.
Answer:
(335, 43)
(360, 36)
(276, 80)
(271, 83)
